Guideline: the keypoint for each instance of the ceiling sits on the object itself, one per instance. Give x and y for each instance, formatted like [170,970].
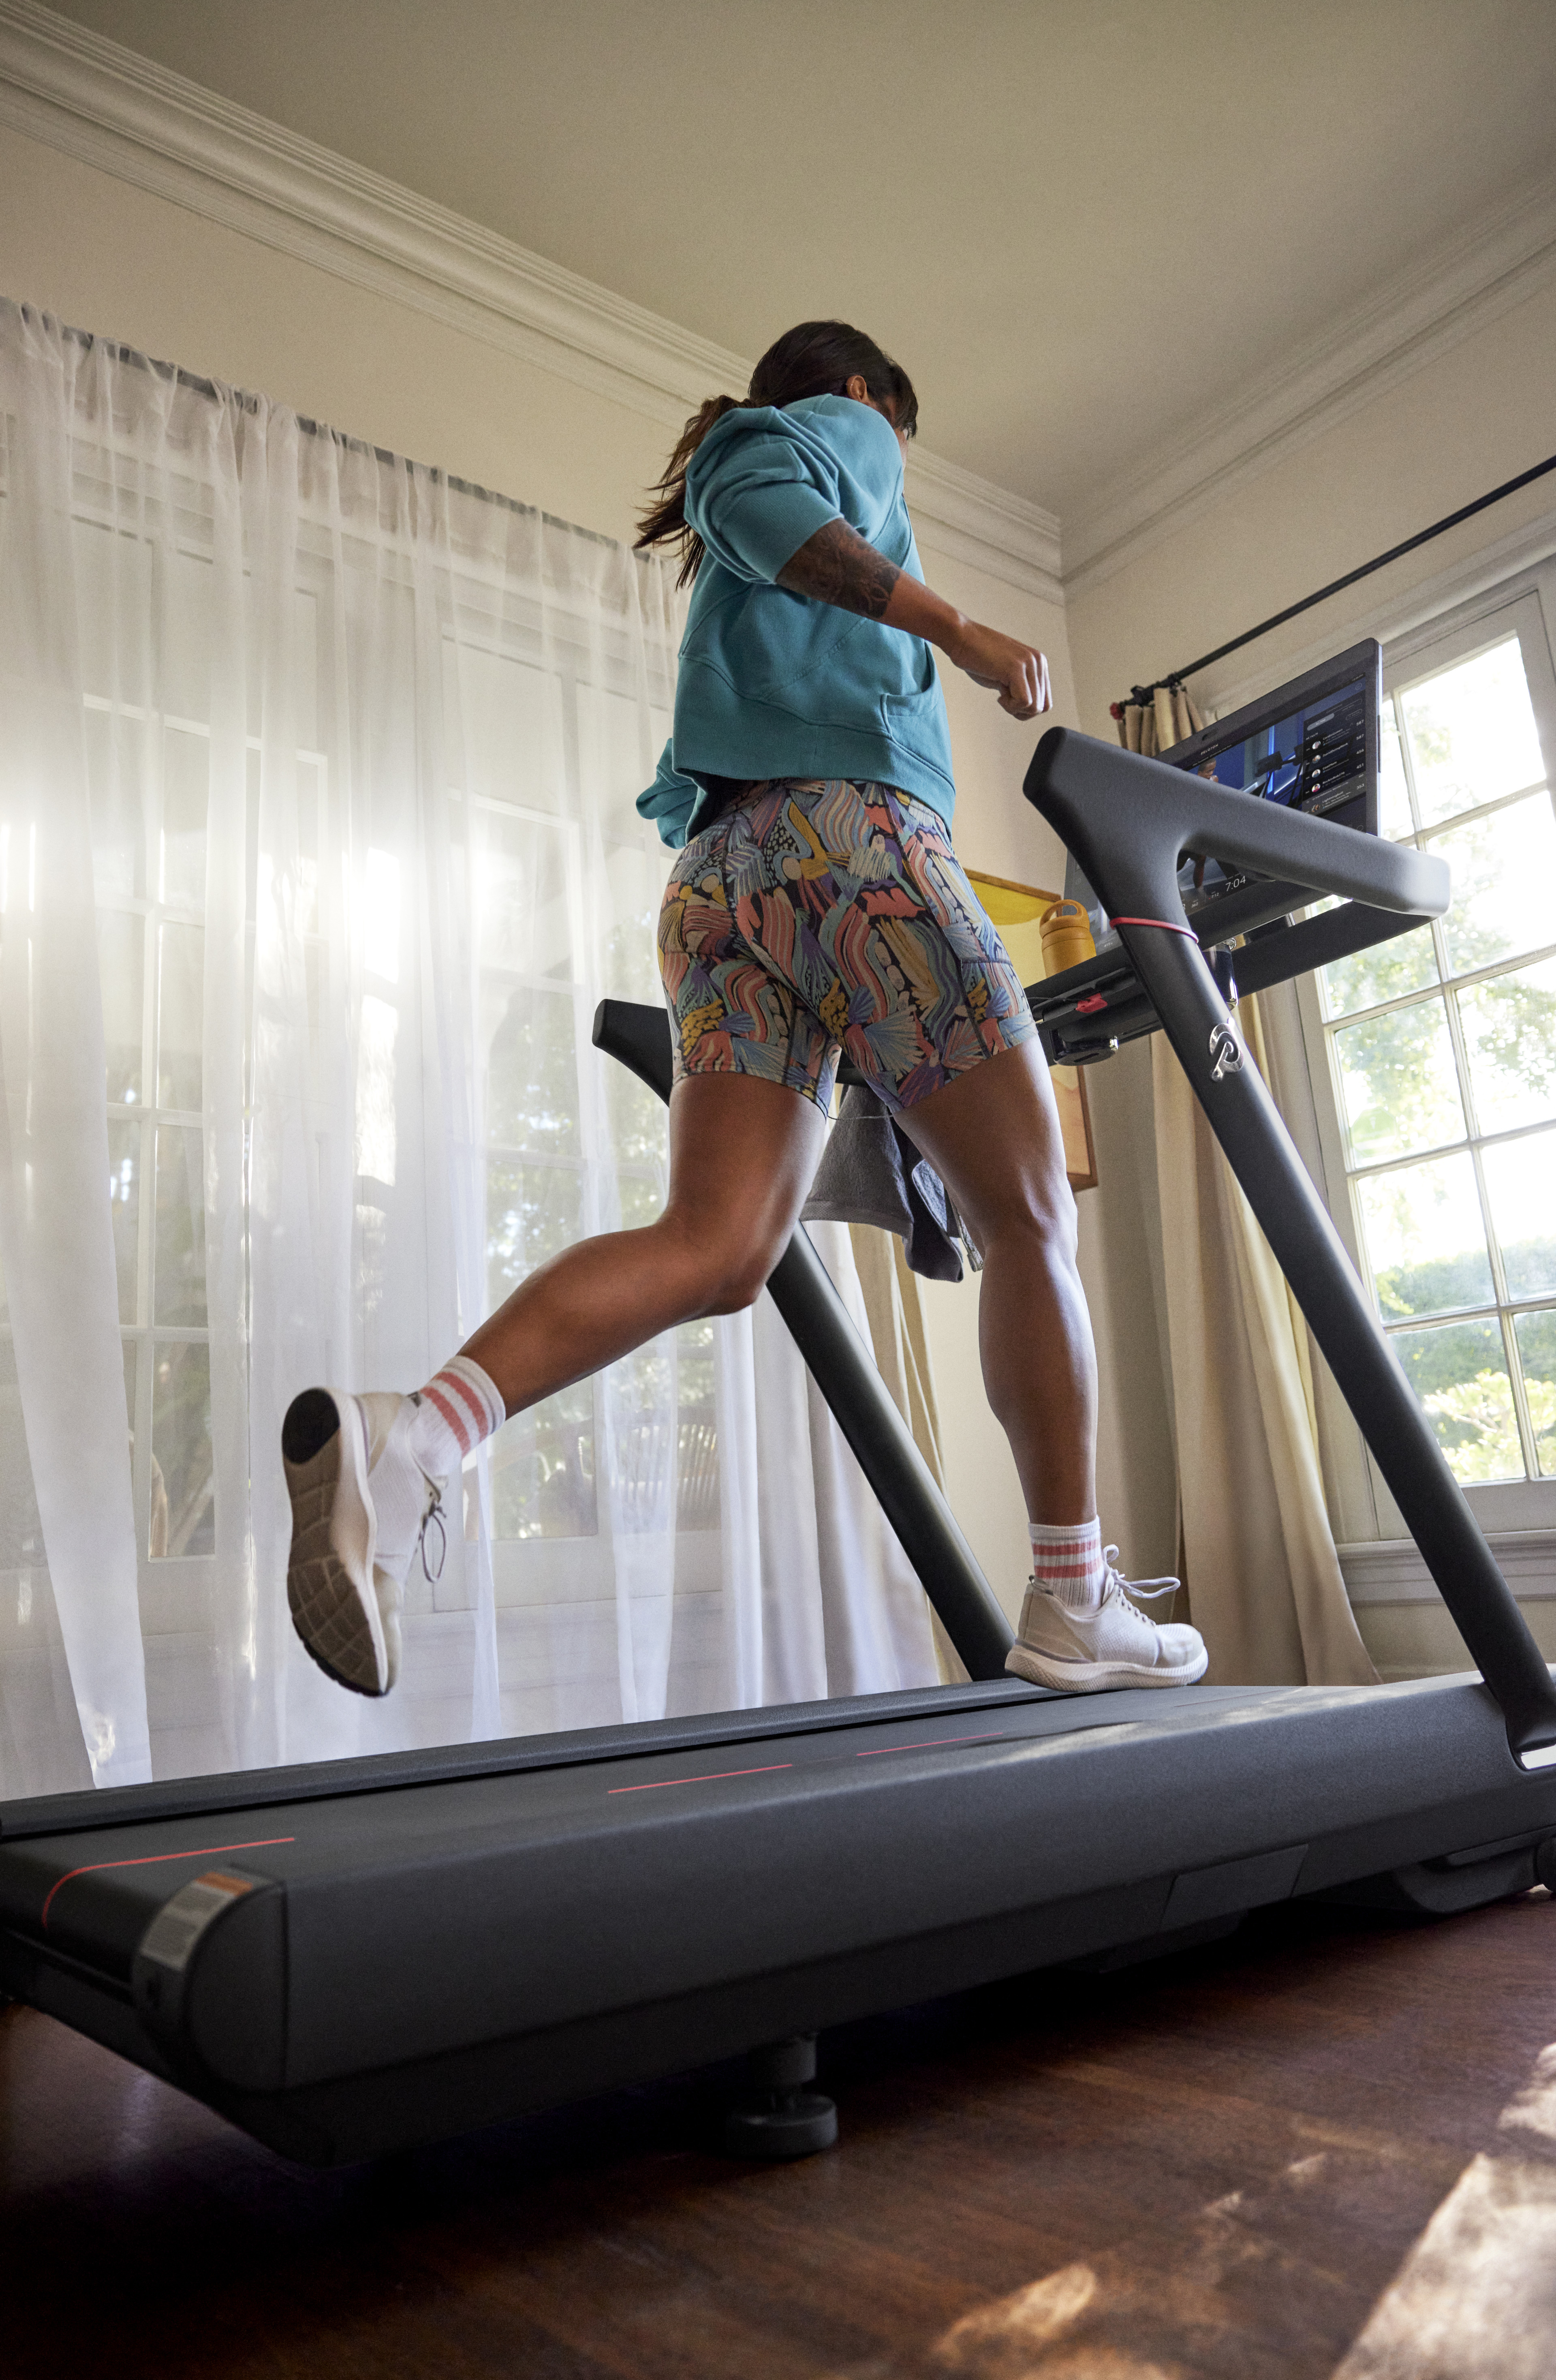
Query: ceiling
[1078,223]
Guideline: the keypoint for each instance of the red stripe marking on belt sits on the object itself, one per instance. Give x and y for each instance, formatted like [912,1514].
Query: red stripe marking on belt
[928,1742]
[153,1859]
[713,1776]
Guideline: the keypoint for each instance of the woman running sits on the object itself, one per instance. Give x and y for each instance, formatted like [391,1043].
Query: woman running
[815,905]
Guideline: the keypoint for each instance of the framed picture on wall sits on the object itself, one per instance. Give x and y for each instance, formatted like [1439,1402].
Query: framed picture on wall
[1016,912]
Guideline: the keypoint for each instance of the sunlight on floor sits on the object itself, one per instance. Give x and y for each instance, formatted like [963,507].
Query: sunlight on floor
[1474,2300]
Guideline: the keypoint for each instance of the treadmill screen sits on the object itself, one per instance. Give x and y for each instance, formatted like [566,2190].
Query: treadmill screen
[1311,744]
[1313,760]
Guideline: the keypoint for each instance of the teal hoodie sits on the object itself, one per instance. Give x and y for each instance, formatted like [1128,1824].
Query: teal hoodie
[773,684]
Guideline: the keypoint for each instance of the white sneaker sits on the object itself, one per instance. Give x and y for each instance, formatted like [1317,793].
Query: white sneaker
[1084,1652]
[361,1506]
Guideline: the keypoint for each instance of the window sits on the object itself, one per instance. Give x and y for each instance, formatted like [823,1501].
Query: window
[149,777]
[1440,1049]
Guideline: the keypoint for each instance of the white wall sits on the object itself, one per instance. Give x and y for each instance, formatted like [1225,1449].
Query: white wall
[108,257]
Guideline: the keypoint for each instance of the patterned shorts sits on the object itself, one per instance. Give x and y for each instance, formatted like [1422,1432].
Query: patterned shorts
[817,916]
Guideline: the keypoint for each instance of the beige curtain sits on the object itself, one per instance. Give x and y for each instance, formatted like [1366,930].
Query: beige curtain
[1170,717]
[1262,1575]
[902,1351]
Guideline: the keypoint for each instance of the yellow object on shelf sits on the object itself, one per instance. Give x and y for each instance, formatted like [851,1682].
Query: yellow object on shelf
[1017,911]
[1066,934]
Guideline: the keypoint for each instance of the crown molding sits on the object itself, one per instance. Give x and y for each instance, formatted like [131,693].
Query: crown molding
[103,104]
[974,521]
[1484,271]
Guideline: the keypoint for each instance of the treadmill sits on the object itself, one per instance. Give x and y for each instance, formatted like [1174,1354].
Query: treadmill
[350,1957]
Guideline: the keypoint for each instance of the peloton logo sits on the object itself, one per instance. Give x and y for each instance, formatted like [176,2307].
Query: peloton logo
[1226,1050]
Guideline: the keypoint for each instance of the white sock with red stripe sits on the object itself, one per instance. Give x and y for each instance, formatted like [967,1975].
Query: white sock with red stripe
[457,1409]
[1069,1565]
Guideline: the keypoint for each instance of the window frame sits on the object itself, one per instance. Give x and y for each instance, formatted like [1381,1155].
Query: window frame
[1524,605]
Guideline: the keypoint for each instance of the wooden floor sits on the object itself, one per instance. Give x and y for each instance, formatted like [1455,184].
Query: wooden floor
[1214,2166]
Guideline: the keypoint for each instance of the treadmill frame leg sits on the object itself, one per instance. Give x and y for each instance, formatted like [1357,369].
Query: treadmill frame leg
[785,2119]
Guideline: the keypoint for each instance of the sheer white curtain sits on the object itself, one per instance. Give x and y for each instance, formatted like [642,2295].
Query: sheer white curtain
[317,850]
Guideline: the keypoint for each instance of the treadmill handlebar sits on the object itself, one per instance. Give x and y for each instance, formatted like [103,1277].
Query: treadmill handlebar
[1128,820]
[1131,822]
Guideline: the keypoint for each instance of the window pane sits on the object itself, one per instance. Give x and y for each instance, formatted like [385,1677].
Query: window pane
[1460,1375]
[1537,1353]
[638,1127]
[523,909]
[1518,1183]
[533,1211]
[376,1142]
[646,1441]
[121,966]
[636,881]
[642,1200]
[179,1014]
[509,715]
[697,1442]
[117,781]
[186,779]
[1504,869]
[1472,733]
[1426,1240]
[183,1520]
[1390,970]
[1510,1033]
[532,1070]
[1399,1085]
[1393,797]
[123,1202]
[180,1256]
[543,1469]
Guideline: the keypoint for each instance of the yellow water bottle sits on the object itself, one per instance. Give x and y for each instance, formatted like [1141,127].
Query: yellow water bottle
[1066,931]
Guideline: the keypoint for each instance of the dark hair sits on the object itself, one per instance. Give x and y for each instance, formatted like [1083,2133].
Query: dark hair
[813,359]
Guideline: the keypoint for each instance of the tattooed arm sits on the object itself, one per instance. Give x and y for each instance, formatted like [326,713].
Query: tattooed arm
[836,565]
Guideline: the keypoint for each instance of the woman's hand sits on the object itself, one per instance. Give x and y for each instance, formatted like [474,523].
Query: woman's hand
[1017,671]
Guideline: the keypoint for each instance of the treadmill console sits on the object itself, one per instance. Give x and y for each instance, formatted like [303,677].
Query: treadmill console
[1311,744]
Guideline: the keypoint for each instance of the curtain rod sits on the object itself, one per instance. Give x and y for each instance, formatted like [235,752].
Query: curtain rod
[1143,694]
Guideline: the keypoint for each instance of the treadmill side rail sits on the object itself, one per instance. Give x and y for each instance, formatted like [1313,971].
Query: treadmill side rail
[1128,821]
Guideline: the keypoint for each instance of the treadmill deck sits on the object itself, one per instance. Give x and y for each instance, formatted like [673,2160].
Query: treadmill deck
[604,1908]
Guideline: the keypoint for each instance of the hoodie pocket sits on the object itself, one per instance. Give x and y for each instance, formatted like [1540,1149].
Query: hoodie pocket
[917,721]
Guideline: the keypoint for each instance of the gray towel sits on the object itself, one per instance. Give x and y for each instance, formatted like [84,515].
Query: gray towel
[870,1172]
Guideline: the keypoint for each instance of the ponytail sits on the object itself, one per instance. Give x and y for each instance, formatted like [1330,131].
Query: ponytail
[814,359]
[664,521]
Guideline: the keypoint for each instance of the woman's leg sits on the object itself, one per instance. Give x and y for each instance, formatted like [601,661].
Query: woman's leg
[366,1472]
[993,1136]
[742,1151]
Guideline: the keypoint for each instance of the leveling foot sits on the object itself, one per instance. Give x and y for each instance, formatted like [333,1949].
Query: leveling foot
[783,2119]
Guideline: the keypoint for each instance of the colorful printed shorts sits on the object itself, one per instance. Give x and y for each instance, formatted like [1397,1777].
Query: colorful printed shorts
[817,916]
